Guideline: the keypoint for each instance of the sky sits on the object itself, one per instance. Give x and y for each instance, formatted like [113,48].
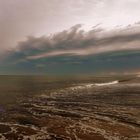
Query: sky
[69,37]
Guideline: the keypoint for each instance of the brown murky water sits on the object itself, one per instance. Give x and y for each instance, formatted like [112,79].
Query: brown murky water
[37,108]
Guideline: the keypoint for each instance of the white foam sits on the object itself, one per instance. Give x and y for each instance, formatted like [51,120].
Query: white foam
[90,85]
[106,84]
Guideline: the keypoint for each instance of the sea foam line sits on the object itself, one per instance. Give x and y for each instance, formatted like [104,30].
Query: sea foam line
[108,83]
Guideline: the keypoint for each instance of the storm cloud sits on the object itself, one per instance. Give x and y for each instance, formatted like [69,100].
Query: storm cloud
[75,48]
[76,41]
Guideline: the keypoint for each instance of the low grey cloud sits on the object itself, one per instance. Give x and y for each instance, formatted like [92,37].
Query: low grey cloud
[76,41]
[76,47]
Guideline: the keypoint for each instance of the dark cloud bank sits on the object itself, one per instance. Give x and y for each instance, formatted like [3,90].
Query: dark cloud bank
[76,51]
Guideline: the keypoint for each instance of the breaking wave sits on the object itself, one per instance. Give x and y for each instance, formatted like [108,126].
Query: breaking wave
[108,83]
[94,85]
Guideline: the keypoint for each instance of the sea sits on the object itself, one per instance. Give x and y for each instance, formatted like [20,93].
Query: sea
[70,108]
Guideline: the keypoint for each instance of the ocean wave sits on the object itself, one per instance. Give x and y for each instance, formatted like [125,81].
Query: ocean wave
[106,84]
[90,85]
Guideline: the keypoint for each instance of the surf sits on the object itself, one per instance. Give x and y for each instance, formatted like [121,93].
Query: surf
[106,84]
